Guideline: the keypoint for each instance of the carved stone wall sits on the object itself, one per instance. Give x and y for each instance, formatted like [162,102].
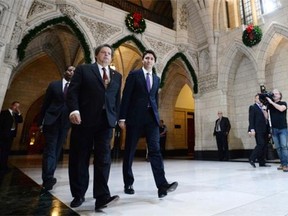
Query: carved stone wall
[207,83]
[101,32]
[159,47]
[38,7]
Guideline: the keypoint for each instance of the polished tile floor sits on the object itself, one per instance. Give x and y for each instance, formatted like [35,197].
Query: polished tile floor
[205,188]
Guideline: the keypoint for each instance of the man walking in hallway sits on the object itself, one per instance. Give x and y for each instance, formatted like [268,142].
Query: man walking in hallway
[54,121]
[138,114]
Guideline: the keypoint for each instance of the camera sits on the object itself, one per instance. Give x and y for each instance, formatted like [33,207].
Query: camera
[264,94]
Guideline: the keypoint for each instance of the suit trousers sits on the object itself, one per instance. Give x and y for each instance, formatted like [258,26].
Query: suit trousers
[133,133]
[222,145]
[55,137]
[83,141]
[5,147]
[260,149]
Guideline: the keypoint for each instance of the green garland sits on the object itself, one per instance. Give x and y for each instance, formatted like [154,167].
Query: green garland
[38,29]
[129,38]
[189,66]
[252,35]
[135,23]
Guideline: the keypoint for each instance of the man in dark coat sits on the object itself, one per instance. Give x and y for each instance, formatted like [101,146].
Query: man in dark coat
[221,131]
[9,120]
[54,121]
[258,128]
[93,100]
[139,114]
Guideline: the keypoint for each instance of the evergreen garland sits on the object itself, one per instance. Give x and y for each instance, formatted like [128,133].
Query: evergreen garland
[38,29]
[189,66]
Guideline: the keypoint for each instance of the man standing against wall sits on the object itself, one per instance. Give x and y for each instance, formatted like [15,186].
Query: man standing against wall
[221,131]
[9,120]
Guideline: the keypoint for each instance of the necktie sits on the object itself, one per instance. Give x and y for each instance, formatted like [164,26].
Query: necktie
[65,89]
[148,82]
[218,125]
[105,77]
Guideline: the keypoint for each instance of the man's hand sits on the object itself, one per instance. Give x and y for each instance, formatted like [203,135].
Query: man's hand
[269,100]
[75,118]
[122,124]
[251,133]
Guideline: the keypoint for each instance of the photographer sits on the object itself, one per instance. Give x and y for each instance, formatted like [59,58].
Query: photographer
[278,110]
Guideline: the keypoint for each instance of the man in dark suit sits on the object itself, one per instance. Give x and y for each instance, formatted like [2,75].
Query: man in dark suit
[9,120]
[258,128]
[93,100]
[221,131]
[139,114]
[54,121]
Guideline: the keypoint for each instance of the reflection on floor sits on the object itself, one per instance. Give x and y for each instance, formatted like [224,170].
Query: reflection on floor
[205,188]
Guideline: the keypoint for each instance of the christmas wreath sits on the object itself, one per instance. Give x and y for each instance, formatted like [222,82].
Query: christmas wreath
[252,35]
[135,22]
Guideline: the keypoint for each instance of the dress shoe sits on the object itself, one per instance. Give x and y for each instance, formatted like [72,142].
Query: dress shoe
[129,189]
[77,201]
[48,185]
[100,204]
[162,191]
[264,165]
[252,164]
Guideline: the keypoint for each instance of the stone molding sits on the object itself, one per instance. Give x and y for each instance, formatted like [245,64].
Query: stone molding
[101,32]
[37,8]
[159,47]
[207,83]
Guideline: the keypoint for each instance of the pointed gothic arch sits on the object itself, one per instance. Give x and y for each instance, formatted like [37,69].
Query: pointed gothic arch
[188,65]
[130,38]
[56,21]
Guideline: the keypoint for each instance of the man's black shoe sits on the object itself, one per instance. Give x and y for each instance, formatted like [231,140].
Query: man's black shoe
[129,189]
[77,201]
[264,165]
[252,164]
[100,204]
[48,185]
[162,191]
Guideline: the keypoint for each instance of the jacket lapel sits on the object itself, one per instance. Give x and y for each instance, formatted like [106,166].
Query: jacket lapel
[97,73]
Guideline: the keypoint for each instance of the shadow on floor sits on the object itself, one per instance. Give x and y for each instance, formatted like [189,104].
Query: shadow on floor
[20,195]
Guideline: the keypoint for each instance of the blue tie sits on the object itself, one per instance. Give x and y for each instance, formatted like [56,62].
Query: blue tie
[148,82]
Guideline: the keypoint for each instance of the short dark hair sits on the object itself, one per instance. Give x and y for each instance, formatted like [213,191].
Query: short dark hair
[97,50]
[149,52]
[14,102]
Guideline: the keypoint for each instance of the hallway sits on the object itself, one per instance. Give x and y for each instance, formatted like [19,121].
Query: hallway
[205,188]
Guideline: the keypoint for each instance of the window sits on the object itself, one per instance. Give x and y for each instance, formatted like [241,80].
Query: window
[251,10]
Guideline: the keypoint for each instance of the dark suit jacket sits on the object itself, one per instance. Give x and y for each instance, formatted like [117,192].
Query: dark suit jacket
[257,120]
[54,106]
[224,125]
[87,94]
[6,123]
[136,98]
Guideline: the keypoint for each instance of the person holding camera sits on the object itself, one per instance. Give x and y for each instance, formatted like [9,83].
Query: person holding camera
[278,111]
[258,128]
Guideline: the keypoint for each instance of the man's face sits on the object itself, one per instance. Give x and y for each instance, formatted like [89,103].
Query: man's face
[104,57]
[220,114]
[148,61]
[15,107]
[276,95]
[69,73]
[257,100]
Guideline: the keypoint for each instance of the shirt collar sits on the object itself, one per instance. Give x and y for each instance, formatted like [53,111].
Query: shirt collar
[145,71]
